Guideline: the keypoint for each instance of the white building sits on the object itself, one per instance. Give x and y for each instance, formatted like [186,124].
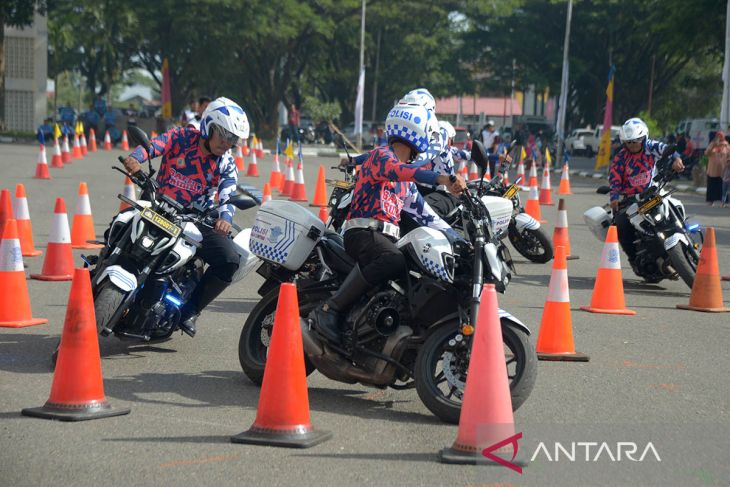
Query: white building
[26,71]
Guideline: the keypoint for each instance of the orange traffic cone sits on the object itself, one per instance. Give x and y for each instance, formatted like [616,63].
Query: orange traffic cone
[92,140]
[76,152]
[6,208]
[82,143]
[564,188]
[41,168]
[608,292]
[15,309]
[129,191]
[324,214]
[57,159]
[532,206]
[299,192]
[560,234]
[259,148]
[486,410]
[461,170]
[240,165]
[289,179]
[473,171]
[82,228]
[488,174]
[25,228]
[107,141]
[267,193]
[555,341]
[320,191]
[282,417]
[125,141]
[521,175]
[276,176]
[546,190]
[706,291]
[245,148]
[65,152]
[58,264]
[253,168]
[77,392]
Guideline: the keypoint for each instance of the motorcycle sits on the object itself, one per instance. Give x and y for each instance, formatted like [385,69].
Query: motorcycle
[414,331]
[148,267]
[668,244]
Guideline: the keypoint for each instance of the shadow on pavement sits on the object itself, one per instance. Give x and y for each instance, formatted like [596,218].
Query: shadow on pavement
[27,353]
[404,457]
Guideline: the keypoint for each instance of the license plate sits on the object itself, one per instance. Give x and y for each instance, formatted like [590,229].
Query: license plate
[650,203]
[161,222]
[343,185]
[511,191]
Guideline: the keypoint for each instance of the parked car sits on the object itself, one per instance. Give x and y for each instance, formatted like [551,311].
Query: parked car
[698,130]
[575,142]
[462,139]
[593,140]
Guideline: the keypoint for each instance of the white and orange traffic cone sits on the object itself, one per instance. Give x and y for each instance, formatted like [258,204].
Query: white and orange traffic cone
[57,159]
[564,188]
[555,340]
[92,140]
[608,291]
[58,264]
[65,151]
[546,190]
[246,150]
[299,192]
[276,176]
[125,141]
[82,143]
[323,214]
[473,171]
[240,165]
[15,309]
[259,148]
[25,227]
[82,228]
[76,153]
[129,191]
[532,206]
[107,141]
[41,168]
[289,180]
[521,175]
[267,193]
[560,233]
[253,167]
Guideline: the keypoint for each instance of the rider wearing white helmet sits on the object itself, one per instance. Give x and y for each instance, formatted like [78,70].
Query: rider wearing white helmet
[195,166]
[631,172]
[384,188]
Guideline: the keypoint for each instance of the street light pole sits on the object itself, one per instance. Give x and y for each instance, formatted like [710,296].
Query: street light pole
[725,109]
[361,81]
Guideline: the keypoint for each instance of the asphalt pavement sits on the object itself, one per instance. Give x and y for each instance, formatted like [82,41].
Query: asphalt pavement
[662,367]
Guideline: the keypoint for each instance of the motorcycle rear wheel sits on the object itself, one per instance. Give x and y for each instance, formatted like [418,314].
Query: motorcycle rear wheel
[532,244]
[443,398]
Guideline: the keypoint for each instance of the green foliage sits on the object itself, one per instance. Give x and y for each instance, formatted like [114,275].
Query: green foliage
[654,131]
[320,110]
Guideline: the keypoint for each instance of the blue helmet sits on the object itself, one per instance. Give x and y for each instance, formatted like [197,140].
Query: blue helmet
[409,124]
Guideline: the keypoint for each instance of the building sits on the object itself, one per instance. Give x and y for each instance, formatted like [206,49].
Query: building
[26,73]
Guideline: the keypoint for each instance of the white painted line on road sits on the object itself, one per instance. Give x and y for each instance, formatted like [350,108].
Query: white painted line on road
[584,174]
[701,190]
[597,175]
[683,187]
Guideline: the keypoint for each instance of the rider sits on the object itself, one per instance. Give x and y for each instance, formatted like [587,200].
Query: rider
[385,187]
[632,171]
[195,165]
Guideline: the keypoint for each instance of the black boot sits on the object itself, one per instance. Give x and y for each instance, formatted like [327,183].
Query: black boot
[328,317]
[209,287]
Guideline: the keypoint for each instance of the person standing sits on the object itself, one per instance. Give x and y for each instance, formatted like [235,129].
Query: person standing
[294,122]
[717,154]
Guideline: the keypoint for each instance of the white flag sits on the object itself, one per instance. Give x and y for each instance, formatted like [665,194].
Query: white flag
[359,102]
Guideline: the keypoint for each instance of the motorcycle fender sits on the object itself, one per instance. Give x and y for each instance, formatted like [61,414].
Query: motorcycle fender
[120,277]
[524,221]
[504,314]
[674,239]
[495,265]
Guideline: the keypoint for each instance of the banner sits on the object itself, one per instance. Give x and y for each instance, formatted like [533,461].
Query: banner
[359,101]
[166,97]
[604,149]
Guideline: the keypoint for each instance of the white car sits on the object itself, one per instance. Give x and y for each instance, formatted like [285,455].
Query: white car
[575,142]
[593,140]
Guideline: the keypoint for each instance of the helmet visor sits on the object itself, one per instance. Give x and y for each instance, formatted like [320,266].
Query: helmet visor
[229,138]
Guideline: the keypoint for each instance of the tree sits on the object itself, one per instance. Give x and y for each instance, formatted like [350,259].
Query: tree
[14,13]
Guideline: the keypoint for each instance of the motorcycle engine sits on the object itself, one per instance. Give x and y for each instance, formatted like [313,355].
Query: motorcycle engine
[377,319]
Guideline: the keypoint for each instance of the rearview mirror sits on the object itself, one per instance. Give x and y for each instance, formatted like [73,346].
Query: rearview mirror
[139,137]
[603,190]
[241,202]
[479,155]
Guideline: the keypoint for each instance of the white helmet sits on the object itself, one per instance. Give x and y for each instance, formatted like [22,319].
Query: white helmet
[450,131]
[632,129]
[408,124]
[490,123]
[227,115]
[420,96]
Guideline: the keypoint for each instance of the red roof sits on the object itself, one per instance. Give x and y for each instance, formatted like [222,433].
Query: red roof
[470,106]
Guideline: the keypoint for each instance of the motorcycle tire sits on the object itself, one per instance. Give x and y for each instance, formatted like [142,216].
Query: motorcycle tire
[253,343]
[532,244]
[521,368]
[682,256]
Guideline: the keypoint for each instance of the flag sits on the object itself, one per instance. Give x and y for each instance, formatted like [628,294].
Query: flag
[56,131]
[166,98]
[289,151]
[548,157]
[604,149]
[359,101]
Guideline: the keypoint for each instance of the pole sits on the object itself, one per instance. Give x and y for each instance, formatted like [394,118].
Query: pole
[651,84]
[375,77]
[725,108]
[564,87]
[362,67]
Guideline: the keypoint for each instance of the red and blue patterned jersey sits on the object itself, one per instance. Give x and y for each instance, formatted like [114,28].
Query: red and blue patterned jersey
[188,175]
[632,173]
[386,186]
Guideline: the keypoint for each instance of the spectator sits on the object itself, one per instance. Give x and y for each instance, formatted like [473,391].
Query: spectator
[294,122]
[489,134]
[380,140]
[46,129]
[718,153]
[726,184]
[202,105]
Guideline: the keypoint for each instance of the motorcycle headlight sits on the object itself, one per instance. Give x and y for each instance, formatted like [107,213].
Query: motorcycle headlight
[147,242]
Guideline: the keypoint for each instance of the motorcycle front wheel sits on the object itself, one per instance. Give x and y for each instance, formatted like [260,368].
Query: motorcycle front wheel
[684,260]
[441,368]
[532,244]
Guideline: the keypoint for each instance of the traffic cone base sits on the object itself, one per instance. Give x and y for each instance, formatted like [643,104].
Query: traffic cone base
[706,291]
[77,392]
[282,416]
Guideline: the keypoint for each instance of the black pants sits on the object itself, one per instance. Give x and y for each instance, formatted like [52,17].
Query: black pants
[219,253]
[626,233]
[379,258]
